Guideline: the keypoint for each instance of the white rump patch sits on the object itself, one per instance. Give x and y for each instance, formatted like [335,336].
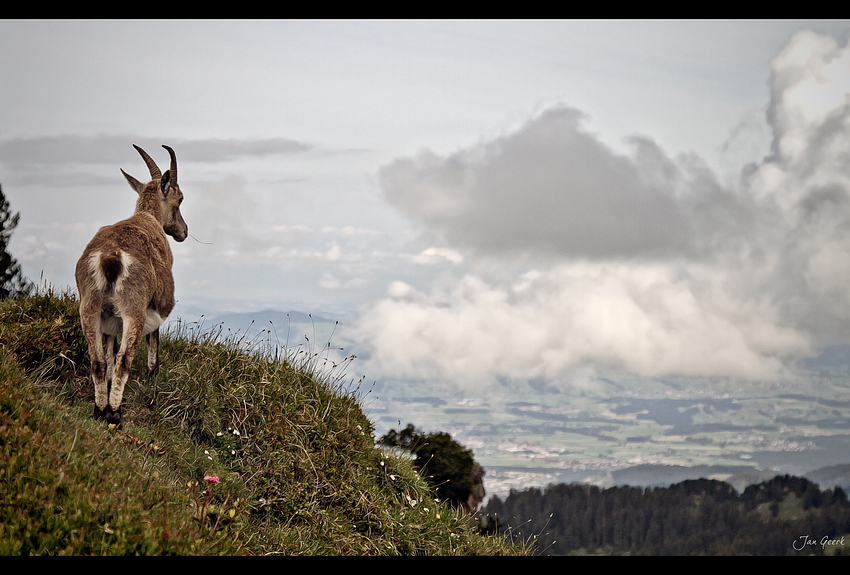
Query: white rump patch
[96,270]
[126,262]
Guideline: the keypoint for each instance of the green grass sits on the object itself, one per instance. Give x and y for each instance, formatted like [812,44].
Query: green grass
[298,469]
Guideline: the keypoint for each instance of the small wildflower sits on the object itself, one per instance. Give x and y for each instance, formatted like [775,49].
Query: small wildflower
[219,434]
[211,478]
[235,432]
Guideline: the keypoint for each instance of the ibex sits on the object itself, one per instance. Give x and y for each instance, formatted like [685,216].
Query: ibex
[126,287]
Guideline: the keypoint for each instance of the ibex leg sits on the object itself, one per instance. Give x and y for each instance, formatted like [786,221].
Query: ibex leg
[153,351]
[130,341]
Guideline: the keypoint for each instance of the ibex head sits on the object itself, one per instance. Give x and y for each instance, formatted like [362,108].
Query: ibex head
[161,196]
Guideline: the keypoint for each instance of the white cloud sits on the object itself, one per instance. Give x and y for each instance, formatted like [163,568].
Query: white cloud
[644,261]
[328,281]
[642,318]
[434,254]
[334,253]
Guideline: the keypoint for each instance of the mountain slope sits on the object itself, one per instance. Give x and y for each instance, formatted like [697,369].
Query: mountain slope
[289,458]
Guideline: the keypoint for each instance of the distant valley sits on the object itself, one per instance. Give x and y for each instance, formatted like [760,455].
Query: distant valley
[618,430]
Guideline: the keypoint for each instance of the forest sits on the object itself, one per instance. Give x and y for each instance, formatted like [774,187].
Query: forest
[786,515]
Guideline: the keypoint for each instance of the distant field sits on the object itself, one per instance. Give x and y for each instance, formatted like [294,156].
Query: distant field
[523,438]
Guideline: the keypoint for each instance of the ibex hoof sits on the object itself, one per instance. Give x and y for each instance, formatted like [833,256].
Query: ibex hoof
[100,413]
[113,417]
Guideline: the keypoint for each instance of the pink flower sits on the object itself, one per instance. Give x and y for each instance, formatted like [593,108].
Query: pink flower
[211,478]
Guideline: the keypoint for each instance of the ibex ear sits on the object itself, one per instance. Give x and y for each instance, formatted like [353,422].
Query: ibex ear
[134,183]
[165,184]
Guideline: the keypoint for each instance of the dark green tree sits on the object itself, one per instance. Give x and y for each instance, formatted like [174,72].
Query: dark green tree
[445,464]
[12,281]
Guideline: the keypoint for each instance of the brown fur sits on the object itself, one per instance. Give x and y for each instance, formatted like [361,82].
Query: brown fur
[126,287]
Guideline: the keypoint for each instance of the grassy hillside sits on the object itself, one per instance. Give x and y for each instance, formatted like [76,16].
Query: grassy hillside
[289,458]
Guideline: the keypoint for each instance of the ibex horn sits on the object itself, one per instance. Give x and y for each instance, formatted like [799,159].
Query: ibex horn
[155,173]
[173,164]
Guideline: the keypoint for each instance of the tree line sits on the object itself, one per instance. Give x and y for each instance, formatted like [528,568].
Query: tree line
[783,516]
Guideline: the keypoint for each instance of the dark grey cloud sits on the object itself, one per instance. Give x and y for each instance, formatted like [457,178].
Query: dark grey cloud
[219,150]
[56,179]
[553,187]
[117,149]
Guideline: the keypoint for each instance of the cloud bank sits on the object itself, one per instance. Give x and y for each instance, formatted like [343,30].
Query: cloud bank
[116,149]
[641,261]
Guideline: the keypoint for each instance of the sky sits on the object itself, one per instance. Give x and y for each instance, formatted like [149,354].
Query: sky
[477,200]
